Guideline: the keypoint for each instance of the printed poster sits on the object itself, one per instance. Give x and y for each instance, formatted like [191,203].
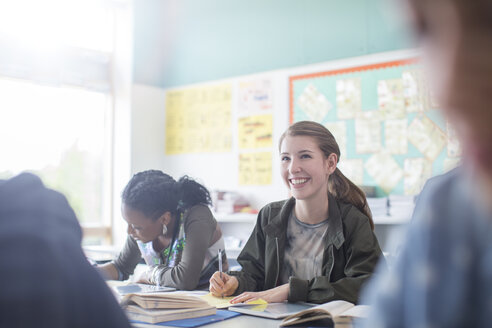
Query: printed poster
[314,104]
[255,168]
[395,135]
[198,120]
[254,96]
[416,172]
[348,98]
[368,132]
[339,131]
[255,131]
[427,137]
[415,91]
[383,168]
[353,169]
[390,99]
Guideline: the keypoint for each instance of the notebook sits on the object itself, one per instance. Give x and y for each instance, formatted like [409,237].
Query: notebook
[271,310]
[141,288]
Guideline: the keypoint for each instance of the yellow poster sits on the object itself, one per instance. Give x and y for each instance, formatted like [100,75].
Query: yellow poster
[255,168]
[199,120]
[255,132]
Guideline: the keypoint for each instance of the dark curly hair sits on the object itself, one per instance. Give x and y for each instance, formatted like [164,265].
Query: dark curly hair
[153,193]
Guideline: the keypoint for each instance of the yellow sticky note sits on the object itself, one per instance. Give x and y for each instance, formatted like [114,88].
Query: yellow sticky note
[218,302]
[225,302]
[258,301]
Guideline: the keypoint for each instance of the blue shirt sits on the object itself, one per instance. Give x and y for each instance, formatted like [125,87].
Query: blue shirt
[443,276]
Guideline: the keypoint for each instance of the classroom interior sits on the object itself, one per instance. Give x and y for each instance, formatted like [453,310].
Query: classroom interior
[87,88]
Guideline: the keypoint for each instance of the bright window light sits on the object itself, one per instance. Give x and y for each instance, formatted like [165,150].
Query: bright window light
[61,134]
[56,100]
[48,24]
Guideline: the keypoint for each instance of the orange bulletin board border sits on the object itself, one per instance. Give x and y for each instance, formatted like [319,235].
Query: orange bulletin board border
[346,70]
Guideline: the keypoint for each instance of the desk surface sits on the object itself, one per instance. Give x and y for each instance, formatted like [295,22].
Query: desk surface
[242,321]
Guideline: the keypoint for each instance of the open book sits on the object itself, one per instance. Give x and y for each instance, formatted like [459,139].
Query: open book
[159,307]
[340,313]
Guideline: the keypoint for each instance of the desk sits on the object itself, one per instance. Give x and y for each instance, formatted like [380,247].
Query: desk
[242,321]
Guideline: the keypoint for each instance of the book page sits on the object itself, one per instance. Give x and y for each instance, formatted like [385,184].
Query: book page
[323,311]
[358,311]
[163,300]
[334,308]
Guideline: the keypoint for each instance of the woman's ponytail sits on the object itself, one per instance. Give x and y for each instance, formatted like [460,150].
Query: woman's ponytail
[345,190]
[190,193]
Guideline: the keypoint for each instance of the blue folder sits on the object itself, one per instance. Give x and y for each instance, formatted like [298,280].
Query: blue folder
[221,315]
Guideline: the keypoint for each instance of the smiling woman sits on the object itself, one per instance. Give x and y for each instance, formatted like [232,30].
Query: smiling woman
[318,245]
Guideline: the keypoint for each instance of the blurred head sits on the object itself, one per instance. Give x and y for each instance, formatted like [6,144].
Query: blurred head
[456,36]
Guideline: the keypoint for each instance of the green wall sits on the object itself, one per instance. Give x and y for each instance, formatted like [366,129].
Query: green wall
[180,42]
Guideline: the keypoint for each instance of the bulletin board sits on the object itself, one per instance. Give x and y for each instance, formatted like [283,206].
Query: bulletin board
[385,120]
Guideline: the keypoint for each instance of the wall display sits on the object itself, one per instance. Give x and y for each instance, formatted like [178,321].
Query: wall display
[255,168]
[255,131]
[390,132]
[198,120]
[255,95]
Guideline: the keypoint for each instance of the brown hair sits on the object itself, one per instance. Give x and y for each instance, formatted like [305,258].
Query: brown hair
[338,185]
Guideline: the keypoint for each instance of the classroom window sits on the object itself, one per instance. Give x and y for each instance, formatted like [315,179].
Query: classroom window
[61,134]
[57,62]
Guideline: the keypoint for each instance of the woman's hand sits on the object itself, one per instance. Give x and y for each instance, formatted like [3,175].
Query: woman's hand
[144,277]
[221,284]
[274,295]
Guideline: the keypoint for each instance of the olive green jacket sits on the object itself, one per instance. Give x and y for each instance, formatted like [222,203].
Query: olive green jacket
[350,255]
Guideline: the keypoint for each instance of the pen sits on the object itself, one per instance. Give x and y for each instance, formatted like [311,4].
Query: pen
[220,264]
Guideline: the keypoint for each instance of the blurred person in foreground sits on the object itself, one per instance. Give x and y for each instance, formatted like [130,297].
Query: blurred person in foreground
[443,277]
[45,278]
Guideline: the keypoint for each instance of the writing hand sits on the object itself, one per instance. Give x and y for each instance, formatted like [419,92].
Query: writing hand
[222,284]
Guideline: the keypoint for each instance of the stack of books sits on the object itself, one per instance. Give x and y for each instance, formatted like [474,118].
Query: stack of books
[159,307]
